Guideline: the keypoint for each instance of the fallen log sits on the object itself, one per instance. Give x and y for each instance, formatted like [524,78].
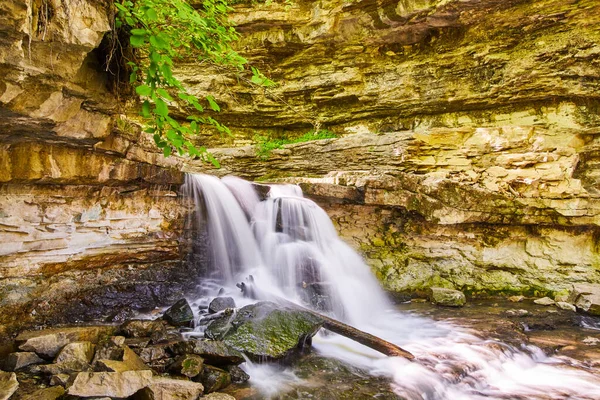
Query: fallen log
[364,338]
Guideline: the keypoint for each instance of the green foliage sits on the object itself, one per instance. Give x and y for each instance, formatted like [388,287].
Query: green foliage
[163,31]
[265,145]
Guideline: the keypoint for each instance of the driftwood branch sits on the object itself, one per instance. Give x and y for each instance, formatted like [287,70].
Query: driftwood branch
[364,338]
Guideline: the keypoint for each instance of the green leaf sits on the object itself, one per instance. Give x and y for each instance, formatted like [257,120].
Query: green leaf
[164,94]
[143,90]
[139,32]
[146,109]
[161,108]
[132,77]
[213,104]
[137,41]
[167,151]
[151,14]
[257,80]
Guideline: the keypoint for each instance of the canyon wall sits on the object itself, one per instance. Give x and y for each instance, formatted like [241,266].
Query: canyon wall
[89,216]
[469,149]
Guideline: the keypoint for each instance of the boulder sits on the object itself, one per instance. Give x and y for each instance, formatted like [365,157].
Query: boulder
[219,327]
[266,330]
[130,362]
[238,375]
[220,304]
[163,388]
[156,330]
[214,352]
[214,379]
[179,314]
[60,380]
[109,384]
[62,368]
[565,306]
[48,342]
[108,350]
[544,301]
[447,297]
[8,384]
[189,365]
[51,393]
[19,360]
[586,297]
[76,352]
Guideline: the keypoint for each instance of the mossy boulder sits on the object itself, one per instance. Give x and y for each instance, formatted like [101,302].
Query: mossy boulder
[179,314]
[447,297]
[266,330]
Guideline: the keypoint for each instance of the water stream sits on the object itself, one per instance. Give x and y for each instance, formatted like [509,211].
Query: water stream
[288,244]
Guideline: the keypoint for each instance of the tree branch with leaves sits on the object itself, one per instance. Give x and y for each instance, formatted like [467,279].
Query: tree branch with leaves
[163,31]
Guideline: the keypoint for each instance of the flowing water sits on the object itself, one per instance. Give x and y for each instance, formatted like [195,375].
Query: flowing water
[288,244]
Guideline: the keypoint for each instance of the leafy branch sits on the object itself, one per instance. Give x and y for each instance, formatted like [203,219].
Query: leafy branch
[163,31]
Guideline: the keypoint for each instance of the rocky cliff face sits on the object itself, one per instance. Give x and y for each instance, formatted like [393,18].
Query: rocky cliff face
[471,136]
[89,219]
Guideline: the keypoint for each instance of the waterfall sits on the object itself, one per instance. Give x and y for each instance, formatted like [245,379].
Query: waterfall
[291,248]
[287,243]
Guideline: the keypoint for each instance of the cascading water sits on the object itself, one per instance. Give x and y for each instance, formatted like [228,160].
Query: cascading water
[290,247]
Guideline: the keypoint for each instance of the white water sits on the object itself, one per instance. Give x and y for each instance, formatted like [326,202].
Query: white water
[286,242]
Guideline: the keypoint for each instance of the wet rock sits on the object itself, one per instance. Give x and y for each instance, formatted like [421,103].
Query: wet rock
[130,362]
[516,299]
[214,379]
[122,315]
[212,351]
[19,360]
[179,314]
[238,375]
[565,306]
[586,298]
[267,331]
[219,327]
[220,304]
[156,330]
[544,301]
[189,365]
[48,342]
[591,341]
[110,384]
[51,393]
[8,384]
[76,353]
[316,295]
[447,297]
[517,313]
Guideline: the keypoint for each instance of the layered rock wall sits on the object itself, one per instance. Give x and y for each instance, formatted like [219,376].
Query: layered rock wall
[469,155]
[89,216]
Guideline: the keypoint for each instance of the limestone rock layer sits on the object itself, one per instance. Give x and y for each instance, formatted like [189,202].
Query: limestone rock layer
[470,133]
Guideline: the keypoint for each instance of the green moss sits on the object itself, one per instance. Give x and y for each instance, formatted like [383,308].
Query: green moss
[265,330]
[265,144]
